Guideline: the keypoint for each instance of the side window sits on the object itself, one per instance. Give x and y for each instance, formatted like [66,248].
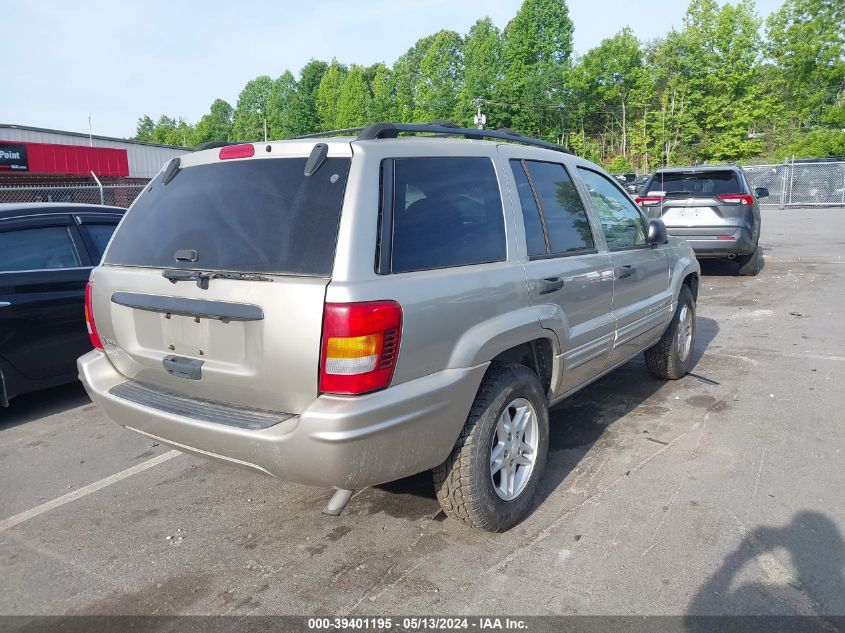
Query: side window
[100,235]
[621,221]
[445,212]
[37,249]
[534,234]
[565,219]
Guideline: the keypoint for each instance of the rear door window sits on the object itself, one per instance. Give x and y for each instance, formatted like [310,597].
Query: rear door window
[259,215]
[564,217]
[38,248]
[707,184]
[99,234]
[534,235]
[443,212]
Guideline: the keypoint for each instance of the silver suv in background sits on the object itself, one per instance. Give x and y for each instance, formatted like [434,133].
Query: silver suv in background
[713,208]
[347,311]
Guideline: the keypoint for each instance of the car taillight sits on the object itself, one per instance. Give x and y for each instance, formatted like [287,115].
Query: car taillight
[648,200]
[736,198]
[89,318]
[244,150]
[360,346]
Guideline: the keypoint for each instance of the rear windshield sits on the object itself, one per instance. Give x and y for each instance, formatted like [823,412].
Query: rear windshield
[711,183]
[243,216]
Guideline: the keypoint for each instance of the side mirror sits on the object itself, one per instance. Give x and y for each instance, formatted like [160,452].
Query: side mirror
[761,192]
[657,234]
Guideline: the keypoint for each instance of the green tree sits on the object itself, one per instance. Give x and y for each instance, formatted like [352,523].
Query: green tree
[482,59]
[603,83]
[709,97]
[536,52]
[406,74]
[440,78]
[303,118]
[328,95]
[145,129]
[279,112]
[619,165]
[713,90]
[806,40]
[671,123]
[216,125]
[812,144]
[727,45]
[252,109]
[383,89]
[354,99]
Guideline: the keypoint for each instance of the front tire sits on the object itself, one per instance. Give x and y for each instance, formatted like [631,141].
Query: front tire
[671,357]
[492,474]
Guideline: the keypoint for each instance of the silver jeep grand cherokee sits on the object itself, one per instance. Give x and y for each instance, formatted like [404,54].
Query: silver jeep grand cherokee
[347,311]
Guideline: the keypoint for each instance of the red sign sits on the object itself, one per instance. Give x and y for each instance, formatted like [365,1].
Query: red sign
[47,158]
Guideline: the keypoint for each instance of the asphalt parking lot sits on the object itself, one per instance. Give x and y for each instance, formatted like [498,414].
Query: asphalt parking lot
[721,493]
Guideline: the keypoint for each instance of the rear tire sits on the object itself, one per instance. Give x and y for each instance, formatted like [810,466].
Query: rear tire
[749,265]
[492,474]
[671,357]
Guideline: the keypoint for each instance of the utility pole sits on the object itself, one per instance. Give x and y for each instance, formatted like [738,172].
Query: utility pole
[262,112]
[480,119]
[90,132]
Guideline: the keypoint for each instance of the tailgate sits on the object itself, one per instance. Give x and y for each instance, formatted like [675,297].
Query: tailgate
[691,212]
[254,344]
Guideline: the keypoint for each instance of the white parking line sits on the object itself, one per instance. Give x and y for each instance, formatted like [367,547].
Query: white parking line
[5,524]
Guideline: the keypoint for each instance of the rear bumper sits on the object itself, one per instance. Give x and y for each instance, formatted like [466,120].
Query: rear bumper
[716,242]
[344,442]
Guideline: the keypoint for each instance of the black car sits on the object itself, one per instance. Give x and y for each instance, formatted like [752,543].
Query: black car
[47,251]
[637,184]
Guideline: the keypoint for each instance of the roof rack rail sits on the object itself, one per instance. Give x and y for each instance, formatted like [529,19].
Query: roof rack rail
[440,128]
[343,132]
[446,128]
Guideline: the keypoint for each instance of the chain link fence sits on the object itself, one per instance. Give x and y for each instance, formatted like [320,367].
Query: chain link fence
[113,195]
[800,184]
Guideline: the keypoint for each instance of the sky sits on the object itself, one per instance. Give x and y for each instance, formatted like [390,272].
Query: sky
[120,60]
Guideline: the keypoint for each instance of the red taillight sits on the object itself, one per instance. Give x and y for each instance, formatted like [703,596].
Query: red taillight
[736,198]
[360,346]
[89,318]
[237,151]
[648,200]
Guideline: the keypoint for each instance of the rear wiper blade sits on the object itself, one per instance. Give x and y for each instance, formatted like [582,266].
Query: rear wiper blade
[202,278]
[241,276]
[174,275]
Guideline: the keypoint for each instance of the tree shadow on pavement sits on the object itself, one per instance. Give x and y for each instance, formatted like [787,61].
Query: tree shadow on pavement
[577,423]
[814,583]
